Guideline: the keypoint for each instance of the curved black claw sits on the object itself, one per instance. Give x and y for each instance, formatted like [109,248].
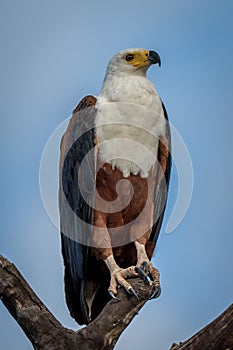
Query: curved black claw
[156,293]
[144,266]
[142,274]
[113,296]
[132,291]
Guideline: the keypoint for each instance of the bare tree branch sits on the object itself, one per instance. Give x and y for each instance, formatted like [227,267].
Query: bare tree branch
[40,326]
[45,331]
[218,335]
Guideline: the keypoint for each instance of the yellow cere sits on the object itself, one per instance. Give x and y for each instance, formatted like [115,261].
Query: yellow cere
[137,59]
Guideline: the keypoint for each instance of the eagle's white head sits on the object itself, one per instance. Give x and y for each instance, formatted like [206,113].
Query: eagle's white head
[125,79]
[132,61]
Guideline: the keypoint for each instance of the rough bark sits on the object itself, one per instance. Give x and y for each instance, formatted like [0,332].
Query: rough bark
[217,335]
[46,332]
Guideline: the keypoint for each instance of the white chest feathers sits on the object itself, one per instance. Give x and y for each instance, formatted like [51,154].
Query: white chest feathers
[128,129]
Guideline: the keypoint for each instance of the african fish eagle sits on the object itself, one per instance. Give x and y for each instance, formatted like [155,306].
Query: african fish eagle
[114,174]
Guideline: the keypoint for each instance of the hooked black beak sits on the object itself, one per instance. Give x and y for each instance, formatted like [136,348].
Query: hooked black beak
[154,58]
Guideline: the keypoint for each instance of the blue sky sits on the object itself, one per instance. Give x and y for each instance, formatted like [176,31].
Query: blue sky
[55,52]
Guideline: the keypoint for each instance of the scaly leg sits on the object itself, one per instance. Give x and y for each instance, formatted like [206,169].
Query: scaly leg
[118,275]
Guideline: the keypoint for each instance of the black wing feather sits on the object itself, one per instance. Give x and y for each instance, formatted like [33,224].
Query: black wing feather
[161,190]
[77,141]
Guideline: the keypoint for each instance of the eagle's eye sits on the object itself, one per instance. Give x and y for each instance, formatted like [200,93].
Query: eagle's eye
[129,57]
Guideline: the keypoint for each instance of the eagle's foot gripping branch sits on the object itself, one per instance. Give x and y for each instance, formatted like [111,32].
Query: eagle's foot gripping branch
[151,276]
[118,277]
[147,272]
